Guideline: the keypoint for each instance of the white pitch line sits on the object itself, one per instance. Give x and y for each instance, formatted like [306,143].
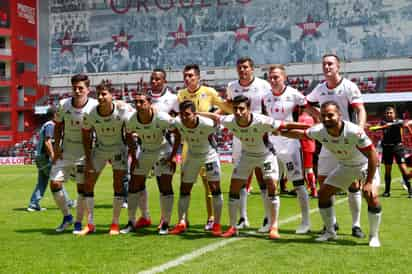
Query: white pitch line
[211,247]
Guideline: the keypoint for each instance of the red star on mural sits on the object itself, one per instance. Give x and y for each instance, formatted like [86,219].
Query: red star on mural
[180,36]
[66,42]
[242,32]
[309,27]
[121,40]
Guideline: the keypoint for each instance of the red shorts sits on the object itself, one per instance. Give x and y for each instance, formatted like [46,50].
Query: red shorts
[307,159]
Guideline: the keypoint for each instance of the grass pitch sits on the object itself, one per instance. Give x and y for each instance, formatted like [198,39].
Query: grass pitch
[30,245]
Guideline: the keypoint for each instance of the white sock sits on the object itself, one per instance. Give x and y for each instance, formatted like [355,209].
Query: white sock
[161,206]
[117,207]
[184,201]
[234,204]
[217,207]
[167,203]
[143,204]
[132,201]
[61,202]
[355,205]
[303,198]
[81,206]
[273,204]
[90,209]
[333,199]
[243,203]
[328,215]
[263,194]
[374,223]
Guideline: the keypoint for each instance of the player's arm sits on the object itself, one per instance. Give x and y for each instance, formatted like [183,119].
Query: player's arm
[294,134]
[313,111]
[175,147]
[223,105]
[360,113]
[57,135]
[132,144]
[214,116]
[370,153]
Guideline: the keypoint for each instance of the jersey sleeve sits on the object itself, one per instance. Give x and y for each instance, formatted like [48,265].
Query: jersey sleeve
[49,130]
[313,97]
[269,124]
[313,133]
[354,95]
[300,99]
[362,140]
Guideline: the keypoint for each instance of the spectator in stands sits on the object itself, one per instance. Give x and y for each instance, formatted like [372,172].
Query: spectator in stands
[44,154]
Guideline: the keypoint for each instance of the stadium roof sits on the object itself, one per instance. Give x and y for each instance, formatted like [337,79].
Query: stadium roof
[387,97]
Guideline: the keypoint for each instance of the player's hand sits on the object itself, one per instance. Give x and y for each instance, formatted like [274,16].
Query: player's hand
[171,162]
[368,190]
[57,154]
[89,166]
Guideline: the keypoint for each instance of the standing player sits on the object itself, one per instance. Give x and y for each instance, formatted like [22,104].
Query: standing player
[280,105]
[204,98]
[105,123]
[254,88]
[68,149]
[346,94]
[155,152]
[392,146]
[198,132]
[357,160]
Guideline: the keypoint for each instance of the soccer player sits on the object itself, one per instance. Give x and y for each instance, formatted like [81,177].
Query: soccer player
[347,95]
[280,105]
[250,128]
[105,123]
[198,133]
[68,149]
[392,147]
[357,160]
[254,88]
[204,99]
[156,152]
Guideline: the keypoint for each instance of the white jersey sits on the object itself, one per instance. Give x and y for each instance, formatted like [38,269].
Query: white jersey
[152,134]
[345,94]
[108,129]
[345,147]
[281,107]
[166,102]
[197,138]
[255,92]
[73,122]
[251,136]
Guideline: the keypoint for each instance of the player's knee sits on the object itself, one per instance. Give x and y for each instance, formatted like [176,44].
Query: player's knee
[217,192]
[297,183]
[324,203]
[88,194]
[167,192]
[263,186]
[118,194]
[234,196]
[375,209]
[353,189]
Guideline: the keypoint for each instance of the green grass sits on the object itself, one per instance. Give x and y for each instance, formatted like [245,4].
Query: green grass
[30,245]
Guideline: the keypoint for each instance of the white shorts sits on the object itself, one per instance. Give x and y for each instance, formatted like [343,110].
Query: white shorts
[326,163]
[343,176]
[193,164]
[63,170]
[289,157]
[153,159]
[236,150]
[267,163]
[118,159]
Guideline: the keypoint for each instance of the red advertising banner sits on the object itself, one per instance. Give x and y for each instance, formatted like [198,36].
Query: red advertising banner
[12,161]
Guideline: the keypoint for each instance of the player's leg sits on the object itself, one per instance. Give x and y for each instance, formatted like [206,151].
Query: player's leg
[208,200]
[234,203]
[327,211]
[43,172]
[118,199]
[88,190]
[213,171]
[387,159]
[399,152]
[355,205]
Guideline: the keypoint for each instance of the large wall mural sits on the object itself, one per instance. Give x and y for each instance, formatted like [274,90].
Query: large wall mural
[127,35]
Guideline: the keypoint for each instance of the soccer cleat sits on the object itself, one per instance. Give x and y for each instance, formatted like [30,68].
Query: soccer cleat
[404,185]
[89,229]
[242,223]
[32,208]
[125,205]
[274,233]
[114,229]
[357,232]
[164,229]
[327,236]
[232,231]
[128,228]
[67,221]
[386,194]
[77,228]
[72,203]
[179,228]
[265,226]
[335,227]
[216,230]
[303,229]
[374,242]
[143,222]
[160,224]
[209,225]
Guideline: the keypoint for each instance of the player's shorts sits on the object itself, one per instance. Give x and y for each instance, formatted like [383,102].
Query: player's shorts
[64,169]
[326,163]
[343,176]
[155,159]
[118,159]
[390,151]
[307,159]
[289,157]
[267,163]
[194,162]
[202,171]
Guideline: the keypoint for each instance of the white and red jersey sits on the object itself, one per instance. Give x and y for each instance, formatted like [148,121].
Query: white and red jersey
[345,94]
[281,107]
[307,145]
[251,136]
[73,122]
[153,133]
[166,101]
[346,147]
[108,129]
[255,92]
[197,138]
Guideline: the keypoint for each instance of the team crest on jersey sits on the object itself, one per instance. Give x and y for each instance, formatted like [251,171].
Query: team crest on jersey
[203,95]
